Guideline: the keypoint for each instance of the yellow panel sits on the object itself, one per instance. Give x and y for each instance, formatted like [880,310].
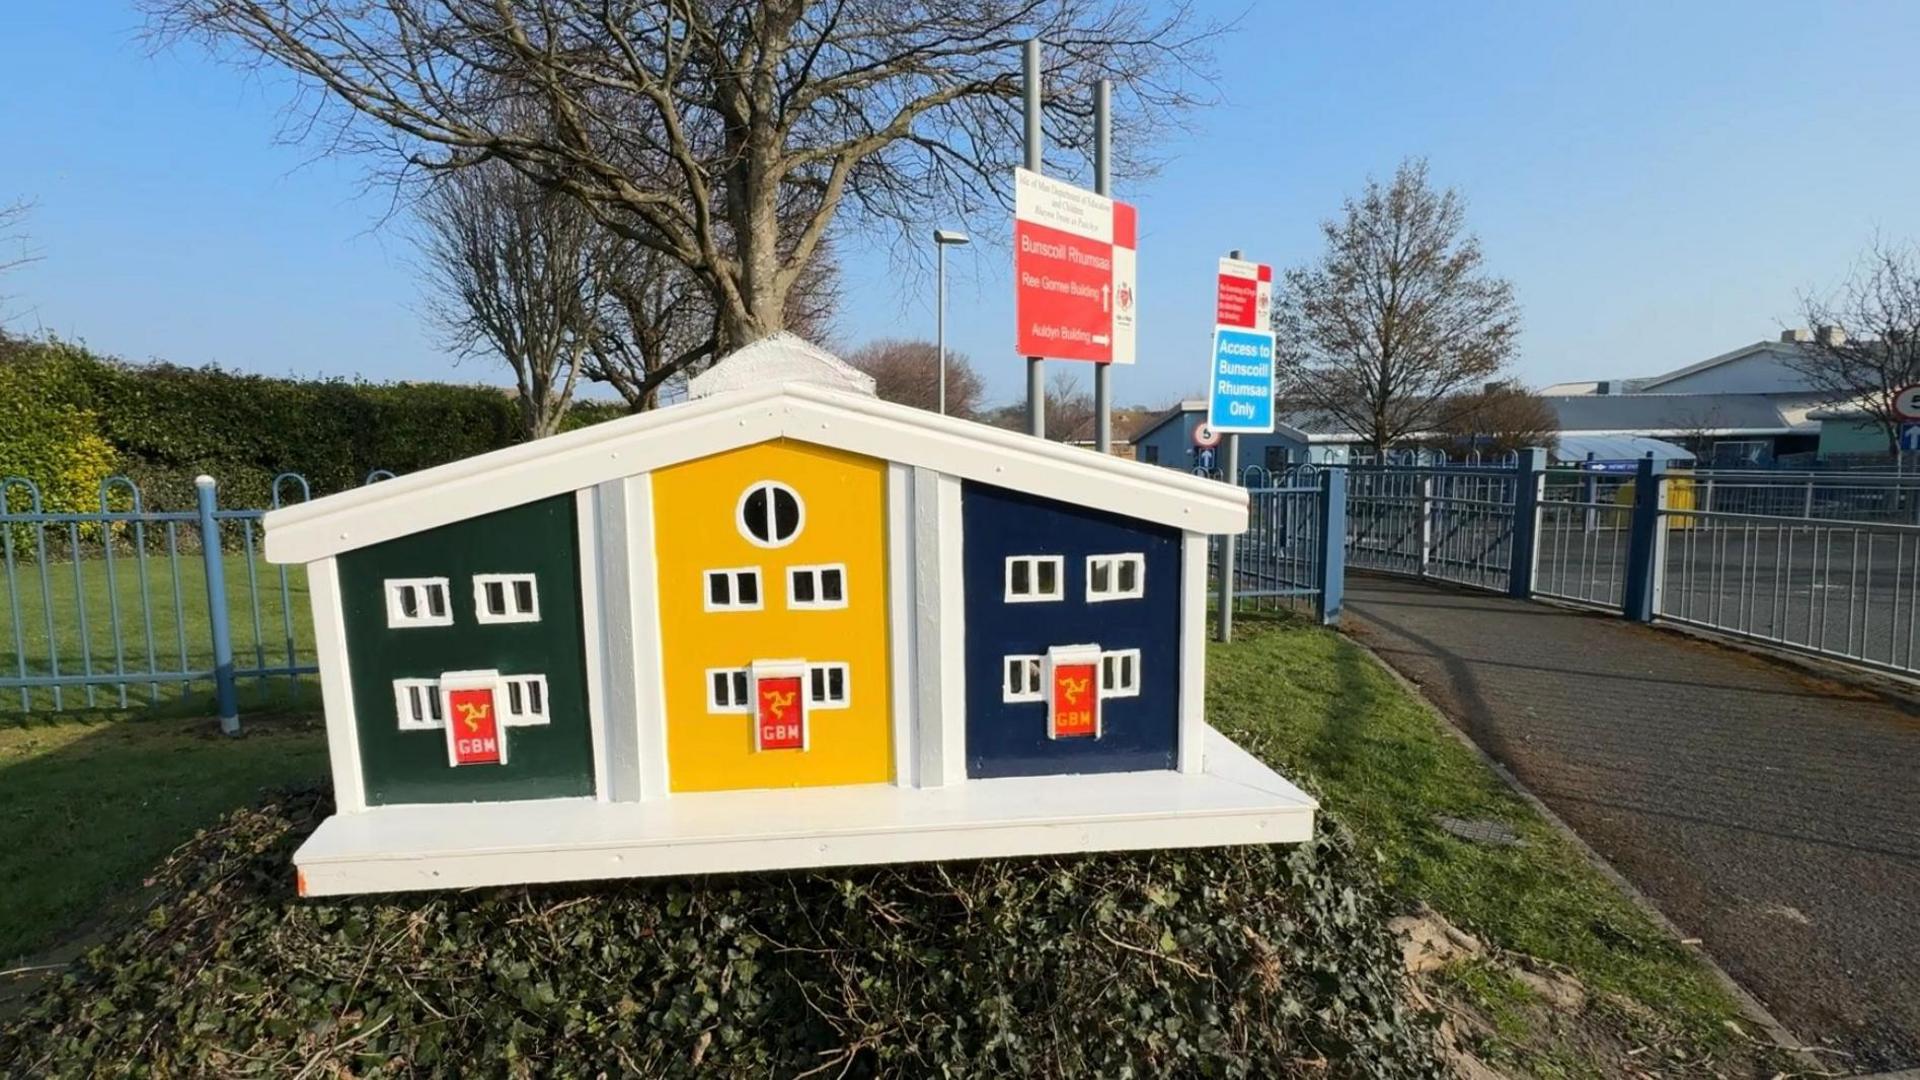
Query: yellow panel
[695,510]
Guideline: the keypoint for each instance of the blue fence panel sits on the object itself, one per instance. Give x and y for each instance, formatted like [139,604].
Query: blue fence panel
[1458,522]
[1283,558]
[102,608]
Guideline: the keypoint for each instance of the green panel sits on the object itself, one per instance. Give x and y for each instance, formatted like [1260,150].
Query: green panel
[411,766]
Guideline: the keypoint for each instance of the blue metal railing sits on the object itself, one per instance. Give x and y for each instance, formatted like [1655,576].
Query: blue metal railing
[102,609]
[1288,557]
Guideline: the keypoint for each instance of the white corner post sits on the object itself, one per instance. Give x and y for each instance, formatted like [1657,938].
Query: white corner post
[632,687]
[1193,652]
[939,630]
[1036,367]
[336,685]
[1103,185]
[902,614]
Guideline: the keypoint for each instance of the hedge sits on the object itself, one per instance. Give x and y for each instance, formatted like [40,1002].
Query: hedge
[166,424]
[1239,962]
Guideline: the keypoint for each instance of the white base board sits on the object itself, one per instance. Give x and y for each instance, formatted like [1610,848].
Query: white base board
[1235,800]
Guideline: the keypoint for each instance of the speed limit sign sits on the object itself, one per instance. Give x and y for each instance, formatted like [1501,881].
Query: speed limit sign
[1906,403]
[1204,436]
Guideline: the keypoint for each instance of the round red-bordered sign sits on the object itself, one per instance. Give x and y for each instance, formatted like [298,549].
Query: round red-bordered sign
[1204,436]
[1906,403]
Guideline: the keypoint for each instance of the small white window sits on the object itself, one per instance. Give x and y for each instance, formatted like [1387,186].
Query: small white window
[770,514]
[418,602]
[727,690]
[526,699]
[826,686]
[1035,578]
[1020,679]
[505,598]
[817,587]
[1116,577]
[733,590]
[1120,673]
[417,701]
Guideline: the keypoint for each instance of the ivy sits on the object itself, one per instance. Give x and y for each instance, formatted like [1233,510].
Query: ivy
[1235,962]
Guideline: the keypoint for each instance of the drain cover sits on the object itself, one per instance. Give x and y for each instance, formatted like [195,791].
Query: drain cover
[1483,831]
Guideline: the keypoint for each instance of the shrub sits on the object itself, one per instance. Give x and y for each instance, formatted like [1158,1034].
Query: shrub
[168,424]
[1255,962]
[54,444]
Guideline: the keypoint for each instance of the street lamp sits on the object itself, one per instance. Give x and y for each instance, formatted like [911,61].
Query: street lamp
[942,240]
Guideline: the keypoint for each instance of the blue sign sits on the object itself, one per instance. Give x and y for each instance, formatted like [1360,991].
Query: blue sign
[1206,457]
[1910,436]
[1240,391]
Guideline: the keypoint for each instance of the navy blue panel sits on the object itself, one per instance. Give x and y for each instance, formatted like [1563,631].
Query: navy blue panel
[1011,739]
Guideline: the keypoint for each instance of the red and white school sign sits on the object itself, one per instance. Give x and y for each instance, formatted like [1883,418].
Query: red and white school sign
[1245,299]
[1073,269]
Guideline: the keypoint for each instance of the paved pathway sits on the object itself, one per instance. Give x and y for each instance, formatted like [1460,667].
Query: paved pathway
[1773,814]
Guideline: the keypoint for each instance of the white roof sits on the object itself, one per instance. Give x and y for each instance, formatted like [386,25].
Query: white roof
[779,358]
[803,411]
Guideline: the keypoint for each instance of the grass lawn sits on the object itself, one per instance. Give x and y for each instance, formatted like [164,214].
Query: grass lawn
[1323,712]
[88,806]
[265,625]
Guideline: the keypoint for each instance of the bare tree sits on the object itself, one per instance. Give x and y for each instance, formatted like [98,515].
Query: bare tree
[12,216]
[907,372]
[1397,316]
[1500,417]
[690,126]
[660,327]
[1069,408]
[518,272]
[1866,338]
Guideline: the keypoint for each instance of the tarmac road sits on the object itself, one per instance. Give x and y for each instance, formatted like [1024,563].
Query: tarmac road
[1772,814]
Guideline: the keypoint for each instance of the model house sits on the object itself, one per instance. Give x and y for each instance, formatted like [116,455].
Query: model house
[781,624]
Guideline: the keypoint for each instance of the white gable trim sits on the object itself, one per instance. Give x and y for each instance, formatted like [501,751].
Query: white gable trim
[800,411]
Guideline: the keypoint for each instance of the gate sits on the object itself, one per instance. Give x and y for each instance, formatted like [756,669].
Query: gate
[1460,522]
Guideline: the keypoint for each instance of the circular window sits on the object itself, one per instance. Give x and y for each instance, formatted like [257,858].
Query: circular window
[771,514]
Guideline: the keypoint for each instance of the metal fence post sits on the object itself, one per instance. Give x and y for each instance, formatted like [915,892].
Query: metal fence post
[225,696]
[1529,475]
[1332,538]
[1646,542]
[1226,547]
[1426,521]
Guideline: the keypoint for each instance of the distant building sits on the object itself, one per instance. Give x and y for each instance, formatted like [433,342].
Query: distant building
[1746,406]
[1298,438]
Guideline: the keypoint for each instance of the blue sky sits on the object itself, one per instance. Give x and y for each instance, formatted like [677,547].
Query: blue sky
[1659,181]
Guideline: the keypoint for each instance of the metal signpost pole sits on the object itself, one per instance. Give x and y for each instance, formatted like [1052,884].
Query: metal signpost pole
[940,316]
[1103,184]
[1232,476]
[1036,371]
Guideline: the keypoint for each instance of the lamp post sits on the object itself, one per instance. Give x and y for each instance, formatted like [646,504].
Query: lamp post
[942,240]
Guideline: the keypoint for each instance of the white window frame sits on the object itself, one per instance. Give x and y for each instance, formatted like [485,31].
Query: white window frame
[506,583]
[1033,577]
[1034,666]
[846,686]
[772,541]
[398,619]
[429,690]
[734,573]
[1113,563]
[817,572]
[1130,690]
[509,718]
[745,683]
